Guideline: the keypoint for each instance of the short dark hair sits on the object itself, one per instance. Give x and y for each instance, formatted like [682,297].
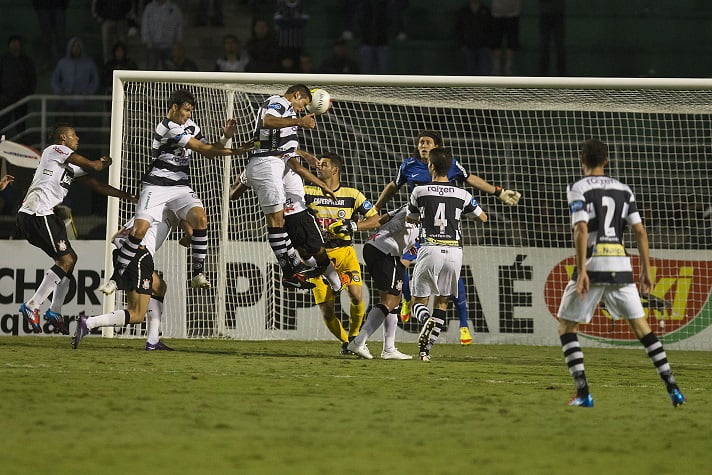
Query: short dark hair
[300,88]
[181,96]
[59,129]
[231,36]
[437,138]
[594,153]
[441,159]
[335,158]
[14,37]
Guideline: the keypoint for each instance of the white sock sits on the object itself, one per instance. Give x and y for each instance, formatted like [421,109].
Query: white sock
[59,294]
[332,276]
[49,283]
[389,332]
[374,319]
[115,318]
[311,262]
[153,319]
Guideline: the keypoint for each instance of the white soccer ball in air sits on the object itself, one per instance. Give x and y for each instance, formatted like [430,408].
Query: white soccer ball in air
[320,103]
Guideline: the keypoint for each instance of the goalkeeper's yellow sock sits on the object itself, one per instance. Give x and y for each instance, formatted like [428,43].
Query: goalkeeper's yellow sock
[336,328]
[356,319]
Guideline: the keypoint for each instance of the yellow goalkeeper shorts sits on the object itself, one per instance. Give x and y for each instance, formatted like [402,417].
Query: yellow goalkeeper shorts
[346,264]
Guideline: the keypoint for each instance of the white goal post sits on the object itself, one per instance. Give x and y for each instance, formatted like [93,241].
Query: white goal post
[520,133]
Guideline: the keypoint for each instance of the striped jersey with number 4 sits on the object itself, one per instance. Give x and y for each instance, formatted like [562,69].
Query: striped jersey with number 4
[440,206]
[607,206]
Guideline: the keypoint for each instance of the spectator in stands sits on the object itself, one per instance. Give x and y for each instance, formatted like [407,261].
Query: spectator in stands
[473,27]
[339,62]
[291,18]
[119,60]
[234,59]
[18,79]
[551,27]
[114,17]
[287,65]
[375,51]
[306,63]
[178,60]
[262,49]
[161,28]
[51,15]
[75,74]
[215,17]
[505,31]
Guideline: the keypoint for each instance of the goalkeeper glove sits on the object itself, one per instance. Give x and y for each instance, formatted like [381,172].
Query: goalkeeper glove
[343,228]
[508,197]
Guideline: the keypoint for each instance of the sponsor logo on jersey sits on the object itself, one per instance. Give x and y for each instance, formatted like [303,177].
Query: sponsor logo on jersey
[576,206]
[441,190]
[62,245]
[146,284]
[367,205]
[677,306]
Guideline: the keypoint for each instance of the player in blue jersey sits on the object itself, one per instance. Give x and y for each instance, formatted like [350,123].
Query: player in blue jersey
[413,171]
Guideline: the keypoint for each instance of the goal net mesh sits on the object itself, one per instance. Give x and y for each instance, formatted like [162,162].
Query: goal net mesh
[515,266]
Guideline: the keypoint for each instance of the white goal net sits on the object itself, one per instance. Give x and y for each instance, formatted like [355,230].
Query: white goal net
[520,133]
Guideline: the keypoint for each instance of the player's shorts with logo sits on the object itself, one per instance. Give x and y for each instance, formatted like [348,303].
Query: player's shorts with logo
[138,275]
[387,271]
[304,232]
[153,198]
[346,264]
[621,301]
[436,271]
[264,176]
[49,233]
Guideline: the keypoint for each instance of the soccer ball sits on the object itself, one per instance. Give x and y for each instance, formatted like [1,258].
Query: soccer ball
[320,103]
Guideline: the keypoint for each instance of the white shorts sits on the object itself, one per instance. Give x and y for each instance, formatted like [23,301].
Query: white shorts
[264,176]
[154,198]
[436,272]
[621,301]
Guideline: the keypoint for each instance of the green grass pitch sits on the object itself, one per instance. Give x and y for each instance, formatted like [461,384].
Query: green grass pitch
[287,407]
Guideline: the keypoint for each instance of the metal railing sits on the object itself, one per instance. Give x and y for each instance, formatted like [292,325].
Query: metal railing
[89,114]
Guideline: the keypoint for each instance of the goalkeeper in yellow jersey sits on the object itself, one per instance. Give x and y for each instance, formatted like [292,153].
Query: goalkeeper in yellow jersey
[338,221]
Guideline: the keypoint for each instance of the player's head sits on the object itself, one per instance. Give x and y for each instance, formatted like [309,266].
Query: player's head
[330,165]
[64,134]
[594,154]
[299,96]
[426,141]
[180,106]
[440,161]
[231,44]
[14,45]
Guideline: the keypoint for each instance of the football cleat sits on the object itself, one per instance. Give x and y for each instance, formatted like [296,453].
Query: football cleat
[465,337]
[424,356]
[82,331]
[361,350]
[425,332]
[57,320]
[199,281]
[158,346]
[405,311]
[394,354]
[345,349]
[109,287]
[582,401]
[677,398]
[32,316]
[297,281]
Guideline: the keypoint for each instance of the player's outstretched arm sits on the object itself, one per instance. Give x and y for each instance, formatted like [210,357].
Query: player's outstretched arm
[308,157]
[105,189]
[300,170]
[89,165]
[386,195]
[208,149]
[273,122]
[508,197]
[6,180]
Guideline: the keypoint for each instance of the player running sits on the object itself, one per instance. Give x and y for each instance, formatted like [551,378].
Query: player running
[60,165]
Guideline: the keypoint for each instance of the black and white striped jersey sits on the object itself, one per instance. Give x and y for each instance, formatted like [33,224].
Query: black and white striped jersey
[171,159]
[51,181]
[275,142]
[607,206]
[440,206]
[396,236]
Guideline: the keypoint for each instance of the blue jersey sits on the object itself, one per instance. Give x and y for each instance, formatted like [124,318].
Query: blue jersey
[414,172]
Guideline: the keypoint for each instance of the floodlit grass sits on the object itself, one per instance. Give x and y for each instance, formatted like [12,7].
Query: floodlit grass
[288,407]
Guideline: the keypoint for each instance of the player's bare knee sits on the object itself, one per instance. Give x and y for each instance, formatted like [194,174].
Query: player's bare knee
[159,287]
[140,228]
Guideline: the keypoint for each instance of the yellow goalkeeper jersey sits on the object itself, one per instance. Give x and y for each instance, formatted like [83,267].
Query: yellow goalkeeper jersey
[351,204]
